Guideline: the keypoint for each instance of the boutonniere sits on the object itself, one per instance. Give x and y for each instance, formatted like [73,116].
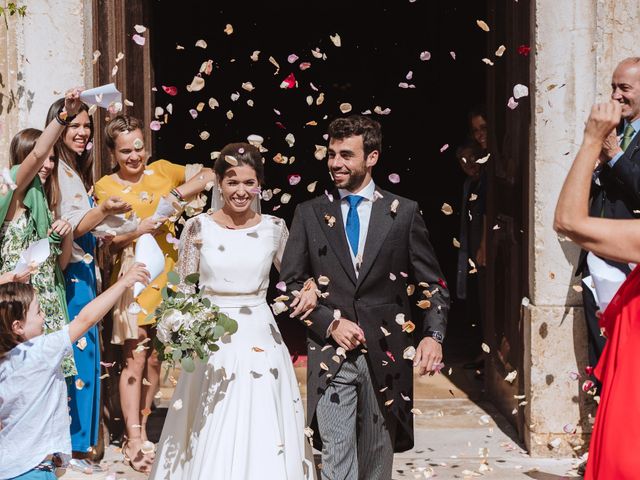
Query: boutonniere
[394,207]
[330,219]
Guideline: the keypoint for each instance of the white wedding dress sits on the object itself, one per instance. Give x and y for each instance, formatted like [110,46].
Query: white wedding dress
[239,415]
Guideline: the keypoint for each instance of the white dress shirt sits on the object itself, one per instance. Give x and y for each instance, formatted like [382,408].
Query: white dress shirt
[364,213]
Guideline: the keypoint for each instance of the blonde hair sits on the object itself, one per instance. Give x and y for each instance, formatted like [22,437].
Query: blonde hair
[15,299]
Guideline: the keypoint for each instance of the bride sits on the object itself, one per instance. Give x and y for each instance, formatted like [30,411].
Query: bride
[239,415]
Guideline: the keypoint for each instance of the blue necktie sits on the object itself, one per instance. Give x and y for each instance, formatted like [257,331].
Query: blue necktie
[353,222]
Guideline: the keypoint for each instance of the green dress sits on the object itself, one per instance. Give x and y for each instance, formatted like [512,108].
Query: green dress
[15,238]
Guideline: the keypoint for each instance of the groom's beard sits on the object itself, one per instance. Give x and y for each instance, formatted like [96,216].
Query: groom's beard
[353,181]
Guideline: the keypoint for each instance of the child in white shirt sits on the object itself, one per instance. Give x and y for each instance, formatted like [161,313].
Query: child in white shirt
[34,418]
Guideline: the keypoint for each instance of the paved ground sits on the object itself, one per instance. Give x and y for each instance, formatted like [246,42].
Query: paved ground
[458,436]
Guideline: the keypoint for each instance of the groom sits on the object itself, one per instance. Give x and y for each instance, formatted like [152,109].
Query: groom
[369,252]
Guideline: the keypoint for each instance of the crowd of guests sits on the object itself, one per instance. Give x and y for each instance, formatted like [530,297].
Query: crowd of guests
[50,195]
[53,195]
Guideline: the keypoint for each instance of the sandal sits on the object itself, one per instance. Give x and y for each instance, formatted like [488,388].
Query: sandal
[138,463]
[85,466]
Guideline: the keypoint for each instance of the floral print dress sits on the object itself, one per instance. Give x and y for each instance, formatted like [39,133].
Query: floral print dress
[15,238]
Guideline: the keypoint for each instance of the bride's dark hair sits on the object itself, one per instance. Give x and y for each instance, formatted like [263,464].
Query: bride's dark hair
[244,154]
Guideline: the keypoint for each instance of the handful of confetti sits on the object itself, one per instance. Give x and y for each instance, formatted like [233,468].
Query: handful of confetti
[189,325]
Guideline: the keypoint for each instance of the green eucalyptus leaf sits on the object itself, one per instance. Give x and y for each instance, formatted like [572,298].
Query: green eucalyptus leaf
[188,364]
[173,277]
[192,278]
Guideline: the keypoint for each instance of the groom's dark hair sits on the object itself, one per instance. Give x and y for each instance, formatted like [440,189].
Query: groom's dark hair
[353,125]
[244,154]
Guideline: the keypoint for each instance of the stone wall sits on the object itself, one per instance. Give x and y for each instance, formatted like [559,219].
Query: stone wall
[41,55]
[577,46]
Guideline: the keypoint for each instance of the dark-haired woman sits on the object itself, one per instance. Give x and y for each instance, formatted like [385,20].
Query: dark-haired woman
[142,186]
[74,177]
[239,415]
[25,217]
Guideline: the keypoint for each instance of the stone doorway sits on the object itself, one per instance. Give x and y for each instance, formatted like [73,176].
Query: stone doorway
[421,60]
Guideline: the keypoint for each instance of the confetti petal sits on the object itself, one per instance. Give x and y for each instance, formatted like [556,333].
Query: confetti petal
[294,179]
[482,24]
[394,178]
[171,90]
[446,209]
[345,107]
[139,39]
[424,56]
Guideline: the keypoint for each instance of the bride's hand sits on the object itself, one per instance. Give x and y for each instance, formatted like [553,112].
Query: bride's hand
[306,301]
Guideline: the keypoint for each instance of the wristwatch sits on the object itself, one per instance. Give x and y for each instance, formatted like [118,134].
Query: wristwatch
[436,335]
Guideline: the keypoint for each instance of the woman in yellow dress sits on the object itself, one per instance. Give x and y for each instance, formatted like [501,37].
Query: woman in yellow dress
[142,186]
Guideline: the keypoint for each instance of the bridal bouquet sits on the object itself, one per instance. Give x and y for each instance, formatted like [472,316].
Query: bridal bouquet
[188,325]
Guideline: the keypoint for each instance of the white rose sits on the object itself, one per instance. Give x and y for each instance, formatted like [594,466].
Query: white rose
[172,320]
[164,335]
[188,321]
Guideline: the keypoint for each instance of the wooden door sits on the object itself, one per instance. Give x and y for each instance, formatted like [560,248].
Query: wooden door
[507,206]
[113,29]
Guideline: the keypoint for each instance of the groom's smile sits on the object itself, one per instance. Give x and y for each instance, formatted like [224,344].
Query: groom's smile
[348,166]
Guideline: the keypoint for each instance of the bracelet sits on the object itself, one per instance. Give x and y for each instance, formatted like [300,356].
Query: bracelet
[64,122]
[176,193]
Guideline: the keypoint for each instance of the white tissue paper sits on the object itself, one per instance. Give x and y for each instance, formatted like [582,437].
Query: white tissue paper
[34,255]
[103,96]
[605,280]
[148,252]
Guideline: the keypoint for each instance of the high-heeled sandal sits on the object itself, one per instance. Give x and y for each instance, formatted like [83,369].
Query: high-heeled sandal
[139,465]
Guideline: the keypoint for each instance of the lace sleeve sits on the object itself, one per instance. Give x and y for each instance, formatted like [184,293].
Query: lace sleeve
[189,257]
[281,241]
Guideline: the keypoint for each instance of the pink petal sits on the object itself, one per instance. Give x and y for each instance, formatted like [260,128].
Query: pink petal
[89,146]
[444,147]
[139,39]
[390,355]
[155,125]
[424,56]
[194,113]
[294,179]
[512,103]
[282,286]
[305,65]
[394,178]
[293,58]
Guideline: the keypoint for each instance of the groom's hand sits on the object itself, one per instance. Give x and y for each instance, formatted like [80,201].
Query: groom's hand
[428,355]
[347,334]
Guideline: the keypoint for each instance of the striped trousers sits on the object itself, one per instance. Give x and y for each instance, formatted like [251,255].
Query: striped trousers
[356,434]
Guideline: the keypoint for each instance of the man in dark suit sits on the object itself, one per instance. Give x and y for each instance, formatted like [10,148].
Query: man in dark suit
[615,190]
[369,252]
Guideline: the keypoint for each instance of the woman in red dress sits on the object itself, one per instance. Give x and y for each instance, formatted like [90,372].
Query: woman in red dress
[615,441]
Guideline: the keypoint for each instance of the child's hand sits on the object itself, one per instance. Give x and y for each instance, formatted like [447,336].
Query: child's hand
[61,227]
[137,273]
